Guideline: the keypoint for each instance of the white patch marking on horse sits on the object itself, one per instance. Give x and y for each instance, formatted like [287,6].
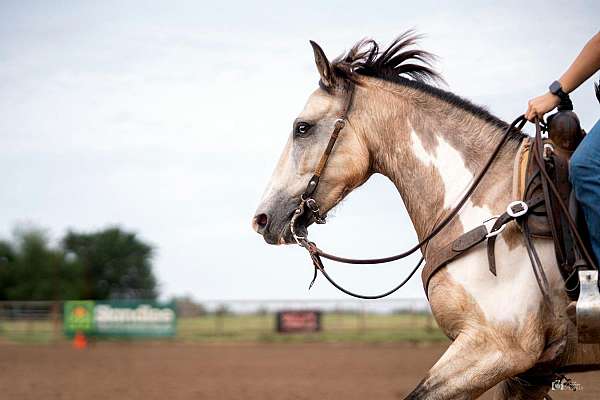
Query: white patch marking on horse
[472,216]
[455,175]
[418,149]
[495,295]
[514,275]
[449,164]
[281,175]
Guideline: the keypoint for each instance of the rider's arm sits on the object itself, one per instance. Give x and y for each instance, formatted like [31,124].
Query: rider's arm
[584,66]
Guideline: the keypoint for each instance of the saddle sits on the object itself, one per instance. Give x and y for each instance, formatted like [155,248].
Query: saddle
[542,172]
[548,219]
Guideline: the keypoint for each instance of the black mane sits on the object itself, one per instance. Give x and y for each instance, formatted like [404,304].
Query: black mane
[400,64]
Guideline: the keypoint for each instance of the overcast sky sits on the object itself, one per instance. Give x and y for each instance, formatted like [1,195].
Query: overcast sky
[167,118]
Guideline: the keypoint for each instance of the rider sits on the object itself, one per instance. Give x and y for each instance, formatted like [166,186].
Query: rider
[585,162]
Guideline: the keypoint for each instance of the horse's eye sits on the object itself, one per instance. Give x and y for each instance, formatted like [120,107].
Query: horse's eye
[302,128]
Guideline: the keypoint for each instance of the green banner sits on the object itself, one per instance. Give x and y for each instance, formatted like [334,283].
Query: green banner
[120,318]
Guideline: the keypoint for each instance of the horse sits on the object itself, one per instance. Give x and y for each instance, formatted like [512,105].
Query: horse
[431,144]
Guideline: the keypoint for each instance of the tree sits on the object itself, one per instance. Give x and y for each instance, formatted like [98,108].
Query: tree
[31,270]
[7,262]
[115,263]
[110,263]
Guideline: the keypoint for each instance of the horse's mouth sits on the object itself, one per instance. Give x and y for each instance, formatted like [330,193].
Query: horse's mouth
[276,227]
[301,228]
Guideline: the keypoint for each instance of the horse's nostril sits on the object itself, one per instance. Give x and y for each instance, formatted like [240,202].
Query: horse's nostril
[261,220]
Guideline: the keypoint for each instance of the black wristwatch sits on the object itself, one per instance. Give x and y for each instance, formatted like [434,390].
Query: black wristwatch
[556,89]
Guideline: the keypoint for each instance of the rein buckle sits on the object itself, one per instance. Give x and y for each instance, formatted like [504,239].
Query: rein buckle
[517,209]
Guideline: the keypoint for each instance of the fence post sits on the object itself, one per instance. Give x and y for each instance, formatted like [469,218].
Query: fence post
[219,321]
[429,326]
[363,318]
[55,320]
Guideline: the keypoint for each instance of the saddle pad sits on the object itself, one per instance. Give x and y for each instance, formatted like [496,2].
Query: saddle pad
[520,168]
[538,224]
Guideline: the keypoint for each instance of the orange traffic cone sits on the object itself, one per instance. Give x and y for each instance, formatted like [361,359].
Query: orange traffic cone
[80,341]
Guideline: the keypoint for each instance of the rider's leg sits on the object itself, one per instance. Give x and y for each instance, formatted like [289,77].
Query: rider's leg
[585,177]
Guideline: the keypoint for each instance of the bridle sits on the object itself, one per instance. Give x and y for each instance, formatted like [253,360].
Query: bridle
[307,199]
[308,202]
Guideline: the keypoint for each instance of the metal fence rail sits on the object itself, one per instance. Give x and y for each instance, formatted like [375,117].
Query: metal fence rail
[30,321]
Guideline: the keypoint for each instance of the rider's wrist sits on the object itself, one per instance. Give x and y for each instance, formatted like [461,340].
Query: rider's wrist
[565,87]
[556,89]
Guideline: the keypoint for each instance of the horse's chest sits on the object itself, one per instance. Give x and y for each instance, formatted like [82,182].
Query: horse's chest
[465,292]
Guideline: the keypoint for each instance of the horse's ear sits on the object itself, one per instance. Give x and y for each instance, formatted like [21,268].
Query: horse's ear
[323,65]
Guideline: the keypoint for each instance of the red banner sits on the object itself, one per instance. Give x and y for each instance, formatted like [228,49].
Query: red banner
[298,321]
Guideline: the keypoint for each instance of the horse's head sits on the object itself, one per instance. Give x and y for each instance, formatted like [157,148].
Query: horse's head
[347,167]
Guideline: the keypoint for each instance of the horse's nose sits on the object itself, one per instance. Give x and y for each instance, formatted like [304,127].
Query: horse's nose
[259,223]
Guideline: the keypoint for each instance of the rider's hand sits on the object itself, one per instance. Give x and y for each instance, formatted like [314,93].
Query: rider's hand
[537,107]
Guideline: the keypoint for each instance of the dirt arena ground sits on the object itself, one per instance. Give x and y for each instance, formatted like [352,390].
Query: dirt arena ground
[230,371]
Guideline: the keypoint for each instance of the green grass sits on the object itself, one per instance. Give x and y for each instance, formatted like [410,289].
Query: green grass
[35,331]
[371,328]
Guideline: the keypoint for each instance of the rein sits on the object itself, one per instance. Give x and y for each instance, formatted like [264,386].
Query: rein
[307,201]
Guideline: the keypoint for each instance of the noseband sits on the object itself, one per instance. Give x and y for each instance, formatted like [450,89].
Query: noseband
[309,204]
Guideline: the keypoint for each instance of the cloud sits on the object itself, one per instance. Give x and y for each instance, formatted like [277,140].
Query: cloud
[169,118]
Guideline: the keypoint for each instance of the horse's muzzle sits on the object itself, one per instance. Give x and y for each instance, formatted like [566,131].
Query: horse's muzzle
[272,221]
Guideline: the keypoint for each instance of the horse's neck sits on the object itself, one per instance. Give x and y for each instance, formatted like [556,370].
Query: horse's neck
[431,152]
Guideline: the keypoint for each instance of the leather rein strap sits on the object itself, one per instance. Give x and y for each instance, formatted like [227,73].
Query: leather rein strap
[307,201]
